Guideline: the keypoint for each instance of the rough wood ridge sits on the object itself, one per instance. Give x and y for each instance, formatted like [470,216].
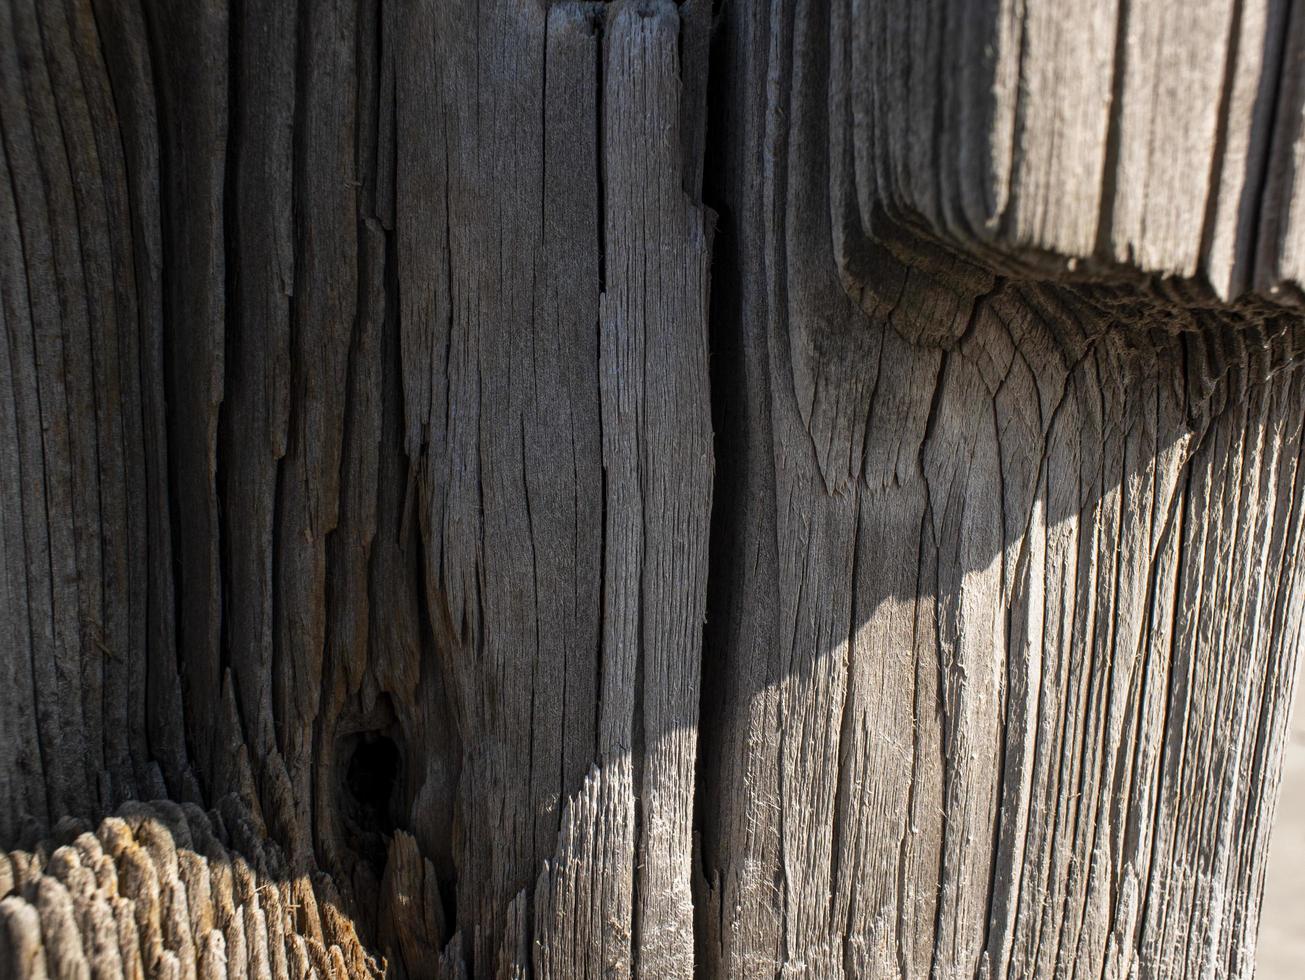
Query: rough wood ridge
[171,891]
[567,489]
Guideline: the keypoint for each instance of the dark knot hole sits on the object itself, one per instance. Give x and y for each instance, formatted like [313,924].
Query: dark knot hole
[373,777]
[372,802]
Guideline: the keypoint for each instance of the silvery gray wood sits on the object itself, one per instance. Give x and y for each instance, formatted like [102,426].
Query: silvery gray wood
[795,488]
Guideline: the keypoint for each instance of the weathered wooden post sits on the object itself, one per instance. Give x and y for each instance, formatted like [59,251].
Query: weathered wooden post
[572,489]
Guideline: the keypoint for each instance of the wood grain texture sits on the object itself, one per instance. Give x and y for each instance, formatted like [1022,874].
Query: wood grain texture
[1080,139]
[567,471]
[489,569]
[396,309]
[88,620]
[161,890]
[1019,689]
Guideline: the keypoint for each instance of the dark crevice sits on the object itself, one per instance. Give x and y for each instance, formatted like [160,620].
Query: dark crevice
[369,793]
[1275,76]
[846,737]
[1110,168]
[281,697]
[600,103]
[1173,528]
[372,778]
[443,860]
[731,442]
[600,195]
[167,316]
[1006,775]
[1220,150]
[231,337]
[1163,768]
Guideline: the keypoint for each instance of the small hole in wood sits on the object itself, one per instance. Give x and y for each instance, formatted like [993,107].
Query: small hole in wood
[370,801]
[373,777]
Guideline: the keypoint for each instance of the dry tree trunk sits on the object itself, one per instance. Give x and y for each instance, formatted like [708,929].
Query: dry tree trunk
[374,448]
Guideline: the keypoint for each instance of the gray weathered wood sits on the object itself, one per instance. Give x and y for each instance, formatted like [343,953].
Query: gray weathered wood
[504,572]
[1015,560]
